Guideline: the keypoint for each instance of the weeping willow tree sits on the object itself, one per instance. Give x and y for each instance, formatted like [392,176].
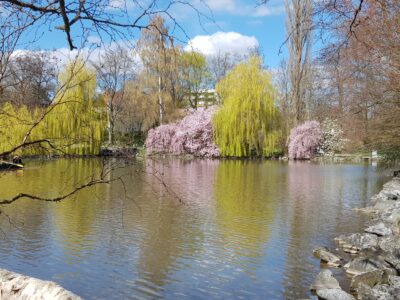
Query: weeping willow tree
[14,123]
[73,123]
[77,120]
[247,122]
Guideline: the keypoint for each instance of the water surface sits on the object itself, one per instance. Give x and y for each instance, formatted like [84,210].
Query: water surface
[246,228]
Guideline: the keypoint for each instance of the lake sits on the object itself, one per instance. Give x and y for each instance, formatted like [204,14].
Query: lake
[182,229]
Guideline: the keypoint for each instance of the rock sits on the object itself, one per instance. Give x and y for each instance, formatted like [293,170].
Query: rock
[381,292]
[393,260]
[390,244]
[371,278]
[384,205]
[392,186]
[379,229]
[388,195]
[327,257]
[392,216]
[325,280]
[394,280]
[16,286]
[363,265]
[355,242]
[334,294]
[391,196]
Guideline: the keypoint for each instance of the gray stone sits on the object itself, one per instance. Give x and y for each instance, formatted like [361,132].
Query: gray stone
[381,292]
[393,260]
[365,292]
[325,280]
[363,265]
[391,196]
[327,257]
[355,242]
[384,205]
[388,195]
[392,216]
[334,294]
[16,286]
[371,278]
[390,244]
[393,186]
[394,281]
[379,229]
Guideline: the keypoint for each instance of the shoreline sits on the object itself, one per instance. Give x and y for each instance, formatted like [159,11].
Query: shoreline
[374,264]
[17,286]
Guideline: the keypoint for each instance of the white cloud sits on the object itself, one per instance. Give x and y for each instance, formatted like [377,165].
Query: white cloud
[233,42]
[243,8]
[120,4]
[92,54]
[265,10]
[222,5]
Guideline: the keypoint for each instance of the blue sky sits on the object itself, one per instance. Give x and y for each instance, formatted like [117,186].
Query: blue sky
[266,24]
[236,26]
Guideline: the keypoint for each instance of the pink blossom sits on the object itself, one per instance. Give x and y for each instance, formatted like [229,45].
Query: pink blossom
[192,135]
[304,140]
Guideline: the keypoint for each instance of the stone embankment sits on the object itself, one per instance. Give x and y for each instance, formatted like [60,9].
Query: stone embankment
[374,264]
[14,286]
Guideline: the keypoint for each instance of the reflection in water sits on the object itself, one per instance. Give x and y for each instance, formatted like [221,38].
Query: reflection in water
[320,203]
[172,235]
[244,210]
[246,229]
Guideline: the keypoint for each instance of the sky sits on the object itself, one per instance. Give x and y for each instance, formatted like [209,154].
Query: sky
[240,24]
[228,25]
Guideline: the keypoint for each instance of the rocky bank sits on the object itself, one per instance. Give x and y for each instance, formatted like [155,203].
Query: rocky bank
[14,286]
[374,263]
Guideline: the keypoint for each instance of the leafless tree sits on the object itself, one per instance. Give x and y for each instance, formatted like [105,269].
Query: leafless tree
[219,64]
[222,62]
[299,27]
[110,20]
[31,79]
[115,68]
[282,82]
[159,56]
[9,38]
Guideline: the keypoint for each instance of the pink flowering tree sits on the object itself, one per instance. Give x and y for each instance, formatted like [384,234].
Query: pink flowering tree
[304,140]
[192,135]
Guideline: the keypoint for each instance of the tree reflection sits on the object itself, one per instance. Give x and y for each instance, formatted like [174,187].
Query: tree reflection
[245,207]
[74,217]
[171,230]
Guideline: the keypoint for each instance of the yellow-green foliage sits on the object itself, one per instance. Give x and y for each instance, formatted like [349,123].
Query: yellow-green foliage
[74,122]
[247,122]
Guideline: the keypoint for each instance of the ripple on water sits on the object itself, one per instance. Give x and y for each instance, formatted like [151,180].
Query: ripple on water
[246,231]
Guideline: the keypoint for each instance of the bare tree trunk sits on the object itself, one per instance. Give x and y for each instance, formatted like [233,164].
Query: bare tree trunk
[111,124]
[299,25]
[160,100]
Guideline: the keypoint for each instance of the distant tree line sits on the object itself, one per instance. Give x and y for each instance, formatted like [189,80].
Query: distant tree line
[353,79]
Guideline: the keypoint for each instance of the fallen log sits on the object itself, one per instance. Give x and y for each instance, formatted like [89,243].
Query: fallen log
[5,165]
